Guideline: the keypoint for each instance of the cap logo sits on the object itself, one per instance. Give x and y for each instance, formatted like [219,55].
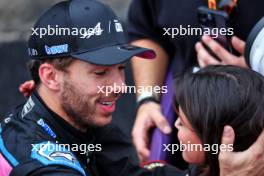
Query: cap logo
[118,26]
[97,30]
[57,49]
[32,52]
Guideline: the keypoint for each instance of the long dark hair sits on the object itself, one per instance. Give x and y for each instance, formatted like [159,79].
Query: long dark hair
[222,95]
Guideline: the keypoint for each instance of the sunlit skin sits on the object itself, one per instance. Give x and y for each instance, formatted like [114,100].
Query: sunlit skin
[187,135]
[77,99]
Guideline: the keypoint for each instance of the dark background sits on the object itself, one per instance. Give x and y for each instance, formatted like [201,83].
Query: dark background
[16,19]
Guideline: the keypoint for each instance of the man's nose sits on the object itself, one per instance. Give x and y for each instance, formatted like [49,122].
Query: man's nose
[118,83]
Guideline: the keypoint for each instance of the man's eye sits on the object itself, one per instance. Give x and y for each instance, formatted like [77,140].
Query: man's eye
[100,73]
[122,67]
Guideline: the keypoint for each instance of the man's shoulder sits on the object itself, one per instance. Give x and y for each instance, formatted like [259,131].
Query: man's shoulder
[28,144]
[17,133]
[25,149]
[17,136]
[24,127]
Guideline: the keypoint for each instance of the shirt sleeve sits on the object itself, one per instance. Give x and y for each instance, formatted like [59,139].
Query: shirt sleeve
[142,23]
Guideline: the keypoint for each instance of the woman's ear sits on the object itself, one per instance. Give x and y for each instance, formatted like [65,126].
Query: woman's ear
[49,76]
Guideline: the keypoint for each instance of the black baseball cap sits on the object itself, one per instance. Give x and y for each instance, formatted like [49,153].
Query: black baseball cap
[87,30]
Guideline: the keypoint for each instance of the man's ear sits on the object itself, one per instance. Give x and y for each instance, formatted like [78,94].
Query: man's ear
[49,76]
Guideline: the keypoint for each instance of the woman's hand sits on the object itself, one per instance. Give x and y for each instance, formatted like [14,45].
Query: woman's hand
[27,88]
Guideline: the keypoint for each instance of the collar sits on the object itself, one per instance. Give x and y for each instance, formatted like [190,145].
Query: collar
[64,131]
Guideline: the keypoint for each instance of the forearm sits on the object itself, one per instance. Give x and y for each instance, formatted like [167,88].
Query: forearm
[150,72]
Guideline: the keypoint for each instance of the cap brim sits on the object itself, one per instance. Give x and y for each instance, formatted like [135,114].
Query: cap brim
[116,54]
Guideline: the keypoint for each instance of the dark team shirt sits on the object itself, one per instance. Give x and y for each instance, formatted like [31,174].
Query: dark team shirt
[147,18]
[30,144]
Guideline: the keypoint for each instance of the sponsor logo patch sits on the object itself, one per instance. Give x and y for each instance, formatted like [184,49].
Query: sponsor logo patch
[57,49]
[49,153]
[27,107]
[46,128]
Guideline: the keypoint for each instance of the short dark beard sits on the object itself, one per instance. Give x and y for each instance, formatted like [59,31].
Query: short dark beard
[77,107]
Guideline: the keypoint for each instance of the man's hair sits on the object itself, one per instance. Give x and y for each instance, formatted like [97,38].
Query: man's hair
[60,64]
[222,95]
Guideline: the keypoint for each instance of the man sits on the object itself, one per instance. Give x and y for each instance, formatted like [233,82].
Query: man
[66,113]
[62,129]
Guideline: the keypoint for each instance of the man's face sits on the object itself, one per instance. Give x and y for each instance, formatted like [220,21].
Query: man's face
[81,98]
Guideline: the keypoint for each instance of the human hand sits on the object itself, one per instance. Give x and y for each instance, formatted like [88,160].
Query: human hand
[226,58]
[27,87]
[249,162]
[149,115]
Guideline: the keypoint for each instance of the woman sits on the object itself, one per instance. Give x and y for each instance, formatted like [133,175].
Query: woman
[208,100]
